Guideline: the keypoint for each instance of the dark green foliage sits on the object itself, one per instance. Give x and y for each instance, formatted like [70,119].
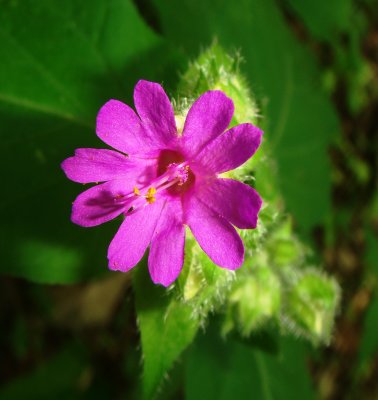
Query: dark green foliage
[227,370]
[54,76]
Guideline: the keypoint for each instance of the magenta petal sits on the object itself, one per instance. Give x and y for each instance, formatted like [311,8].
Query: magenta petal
[119,127]
[217,237]
[167,247]
[235,201]
[98,204]
[155,111]
[231,149]
[133,237]
[208,117]
[98,165]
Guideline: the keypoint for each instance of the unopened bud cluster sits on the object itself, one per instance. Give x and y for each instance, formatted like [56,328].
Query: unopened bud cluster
[276,284]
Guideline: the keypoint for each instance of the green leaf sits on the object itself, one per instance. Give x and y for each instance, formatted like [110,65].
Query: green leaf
[167,327]
[228,370]
[60,61]
[325,20]
[300,121]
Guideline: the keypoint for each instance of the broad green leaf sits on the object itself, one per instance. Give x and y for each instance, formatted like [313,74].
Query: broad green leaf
[228,370]
[167,327]
[299,119]
[325,19]
[343,24]
[60,61]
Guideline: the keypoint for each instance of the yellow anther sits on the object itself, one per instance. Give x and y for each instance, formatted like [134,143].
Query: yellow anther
[150,198]
[136,191]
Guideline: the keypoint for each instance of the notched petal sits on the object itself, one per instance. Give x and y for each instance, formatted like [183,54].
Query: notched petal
[209,117]
[230,150]
[166,256]
[118,126]
[156,112]
[217,237]
[100,203]
[99,165]
[235,201]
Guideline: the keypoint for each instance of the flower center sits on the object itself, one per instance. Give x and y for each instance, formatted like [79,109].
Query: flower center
[173,180]
[169,157]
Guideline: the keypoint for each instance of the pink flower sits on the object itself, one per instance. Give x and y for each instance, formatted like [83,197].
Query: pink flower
[167,180]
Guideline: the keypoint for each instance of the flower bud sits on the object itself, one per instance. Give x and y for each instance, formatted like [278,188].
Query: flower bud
[214,69]
[253,300]
[311,304]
